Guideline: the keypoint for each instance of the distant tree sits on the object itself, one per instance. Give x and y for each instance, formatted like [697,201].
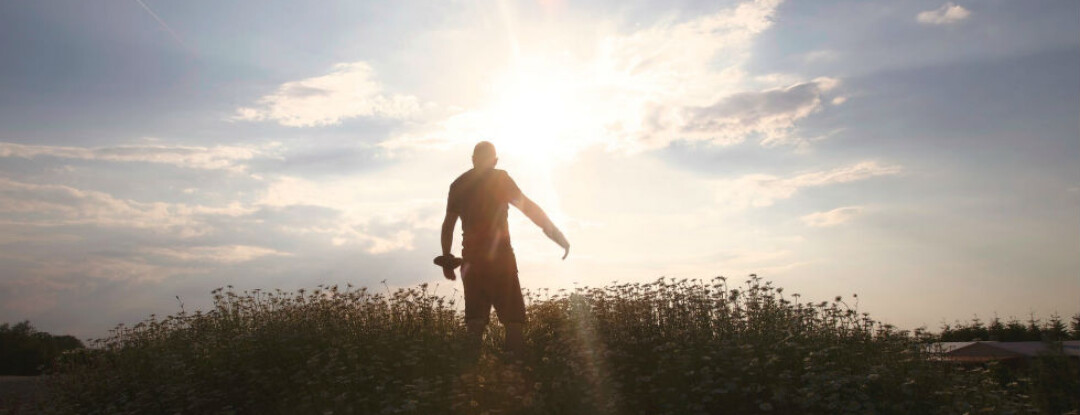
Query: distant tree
[1014,331]
[1055,329]
[996,329]
[946,332]
[24,350]
[964,332]
[1076,327]
[977,330]
[1034,329]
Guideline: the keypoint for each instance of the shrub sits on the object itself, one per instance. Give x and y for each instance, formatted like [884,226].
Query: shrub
[24,351]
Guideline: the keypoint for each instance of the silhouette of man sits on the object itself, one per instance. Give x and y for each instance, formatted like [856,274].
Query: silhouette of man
[489,272]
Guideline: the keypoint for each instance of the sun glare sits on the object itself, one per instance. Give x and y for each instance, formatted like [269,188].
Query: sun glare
[539,115]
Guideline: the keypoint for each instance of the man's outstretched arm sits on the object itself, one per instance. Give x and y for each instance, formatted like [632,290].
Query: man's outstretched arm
[537,216]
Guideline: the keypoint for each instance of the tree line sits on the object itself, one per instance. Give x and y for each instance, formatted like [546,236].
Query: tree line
[25,351]
[1012,330]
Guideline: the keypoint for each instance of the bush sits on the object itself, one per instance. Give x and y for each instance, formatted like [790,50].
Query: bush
[24,351]
[668,347]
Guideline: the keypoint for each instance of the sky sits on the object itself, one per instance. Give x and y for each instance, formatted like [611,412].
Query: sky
[920,154]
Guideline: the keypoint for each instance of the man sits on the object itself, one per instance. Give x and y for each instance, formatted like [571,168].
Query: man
[489,272]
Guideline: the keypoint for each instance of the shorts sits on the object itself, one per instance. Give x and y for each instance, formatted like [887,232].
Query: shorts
[493,283]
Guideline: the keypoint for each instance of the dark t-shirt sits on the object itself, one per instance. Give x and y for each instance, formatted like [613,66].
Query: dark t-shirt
[481,198]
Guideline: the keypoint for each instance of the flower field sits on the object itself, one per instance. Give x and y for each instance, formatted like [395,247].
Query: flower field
[667,347]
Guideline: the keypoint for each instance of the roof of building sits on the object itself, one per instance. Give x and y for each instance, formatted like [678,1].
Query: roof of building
[981,351]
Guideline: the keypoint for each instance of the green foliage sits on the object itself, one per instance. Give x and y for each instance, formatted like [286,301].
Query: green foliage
[669,347]
[1075,327]
[24,350]
[1053,329]
[1054,382]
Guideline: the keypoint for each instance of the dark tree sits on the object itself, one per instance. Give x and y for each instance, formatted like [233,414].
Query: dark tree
[1014,331]
[1055,329]
[977,330]
[996,329]
[1034,329]
[973,331]
[1076,327]
[25,351]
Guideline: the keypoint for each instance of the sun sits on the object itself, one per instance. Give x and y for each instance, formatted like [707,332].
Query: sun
[539,114]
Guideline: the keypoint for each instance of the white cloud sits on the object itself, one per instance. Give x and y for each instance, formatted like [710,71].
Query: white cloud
[771,113]
[855,172]
[42,238]
[821,55]
[106,268]
[120,269]
[217,157]
[348,91]
[763,262]
[228,254]
[398,241]
[833,217]
[380,214]
[59,205]
[946,14]
[760,190]
[31,295]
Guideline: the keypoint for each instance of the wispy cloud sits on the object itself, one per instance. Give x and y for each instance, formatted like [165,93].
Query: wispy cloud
[350,90]
[820,55]
[228,254]
[946,14]
[376,214]
[195,157]
[31,295]
[58,205]
[833,217]
[760,190]
[50,205]
[113,268]
[771,113]
[163,24]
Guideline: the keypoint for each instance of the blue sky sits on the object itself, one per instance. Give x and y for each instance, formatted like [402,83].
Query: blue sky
[921,154]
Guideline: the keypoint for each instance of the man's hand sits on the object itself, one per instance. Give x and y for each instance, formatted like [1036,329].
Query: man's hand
[557,236]
[449,273]
[537,216]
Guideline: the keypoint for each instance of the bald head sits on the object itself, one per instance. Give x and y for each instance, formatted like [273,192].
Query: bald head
[483,155]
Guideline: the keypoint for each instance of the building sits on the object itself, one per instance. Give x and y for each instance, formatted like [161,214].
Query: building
[986,351]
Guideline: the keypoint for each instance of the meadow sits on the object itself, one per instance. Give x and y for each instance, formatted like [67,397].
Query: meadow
[666,347]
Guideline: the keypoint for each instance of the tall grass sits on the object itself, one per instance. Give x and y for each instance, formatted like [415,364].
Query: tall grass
[667,347]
